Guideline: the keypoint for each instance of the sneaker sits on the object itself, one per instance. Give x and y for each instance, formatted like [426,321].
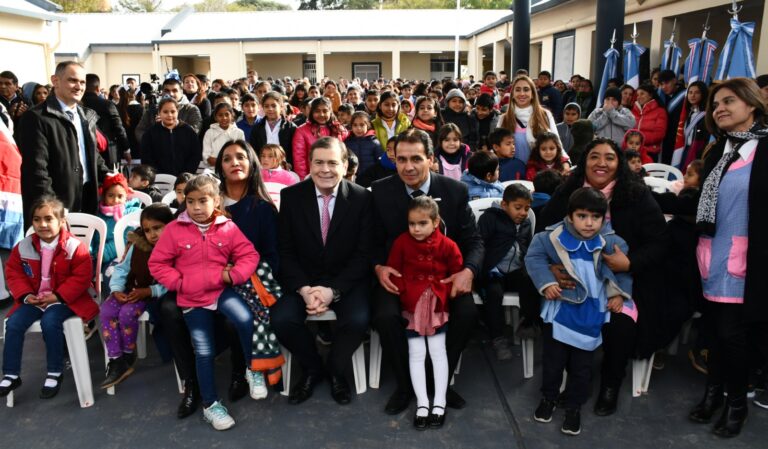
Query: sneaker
[117,371]
[572,422]
[699,360]
[544,411]
[218,416]
[256,384]
[761,399]
[502,349]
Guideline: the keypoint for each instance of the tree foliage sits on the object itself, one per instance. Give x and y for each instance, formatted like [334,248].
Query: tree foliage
[262,5]
[338,4]
[140,5]
[239,5]
[404,4]
[79,6]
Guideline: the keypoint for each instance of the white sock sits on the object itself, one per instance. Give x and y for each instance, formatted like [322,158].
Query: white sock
[50,383]
[7,382]
[440,370]
[417,354]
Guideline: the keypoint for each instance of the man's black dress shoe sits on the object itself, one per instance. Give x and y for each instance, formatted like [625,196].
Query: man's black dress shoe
[732,420]
[399,401]
[340,390]
[606,401]
[421,422]
[453,399]
[304,388]
[190,401]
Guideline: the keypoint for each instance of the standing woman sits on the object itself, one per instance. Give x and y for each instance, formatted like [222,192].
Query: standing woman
[733,246]
[299,94]
[274,127]
[193,90]
[651,121]
[130,113]
[526,117]
[693,125]
[627,96]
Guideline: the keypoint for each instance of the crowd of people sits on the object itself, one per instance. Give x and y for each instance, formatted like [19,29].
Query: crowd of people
[374,223]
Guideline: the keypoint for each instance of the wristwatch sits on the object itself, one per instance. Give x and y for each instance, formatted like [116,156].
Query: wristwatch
[336,295]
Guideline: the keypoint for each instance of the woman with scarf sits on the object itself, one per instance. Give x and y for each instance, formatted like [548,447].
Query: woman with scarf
[732,248]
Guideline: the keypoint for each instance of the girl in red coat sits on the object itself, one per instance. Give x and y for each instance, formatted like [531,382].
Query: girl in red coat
[651,120]
[425,257]
[49,274]
[547,154]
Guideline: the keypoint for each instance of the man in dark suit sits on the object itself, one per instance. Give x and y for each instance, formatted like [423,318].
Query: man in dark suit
[109,122]
[413,158]
[324,243]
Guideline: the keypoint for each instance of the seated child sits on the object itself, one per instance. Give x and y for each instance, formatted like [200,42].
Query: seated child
[451,155]
[571,113]
[635,162]
[482,176]
[544,185]
[143,180]
[384,167]
[574,318]
[424,256]
[547,154]
[132,286]
[201,256]
[178,189]
[502,141]
[48,275]
[633,140]
[506,232]
[274,165]
[112,207]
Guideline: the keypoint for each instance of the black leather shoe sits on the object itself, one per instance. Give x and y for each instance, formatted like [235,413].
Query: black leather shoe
[453,400]
[706,409]
[436,421]
[399,401]
[732,420]
[304,388]
[606,401]
[49,392]
[15,383]
[340,390]
[421,422]
[238,388]
[190,401]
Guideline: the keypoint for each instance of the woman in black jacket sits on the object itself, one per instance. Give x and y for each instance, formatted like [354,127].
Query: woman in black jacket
[171,146]
[274,116]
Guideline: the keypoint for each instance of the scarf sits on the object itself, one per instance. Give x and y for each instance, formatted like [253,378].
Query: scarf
[706,214]
[115,211]
[524,115]
[424,126]
[607,192]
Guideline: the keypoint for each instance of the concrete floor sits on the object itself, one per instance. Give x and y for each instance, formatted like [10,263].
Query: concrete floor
[499,413]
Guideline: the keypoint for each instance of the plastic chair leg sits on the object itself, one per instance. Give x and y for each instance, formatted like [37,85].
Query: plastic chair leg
[564,383]
[374,368]
[515,324]
[641,376]
[286,372]
[110,390]
[358,366]
[178,379]
[527,345]
[78,355]
[141,339]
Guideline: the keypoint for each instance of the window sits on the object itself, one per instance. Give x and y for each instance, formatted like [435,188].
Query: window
[441,68]
[310,71]
[366,70]
[563,58]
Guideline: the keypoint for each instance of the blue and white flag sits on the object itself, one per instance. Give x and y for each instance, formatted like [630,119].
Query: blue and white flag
[632,52]
[700,62]
[736,59]
[609,71]
[672,56]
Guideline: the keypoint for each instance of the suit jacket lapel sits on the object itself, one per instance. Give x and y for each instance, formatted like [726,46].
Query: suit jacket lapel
[312,210]
[339,208]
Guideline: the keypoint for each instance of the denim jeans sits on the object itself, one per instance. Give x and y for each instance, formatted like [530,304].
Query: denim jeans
[51,322]
[201,330]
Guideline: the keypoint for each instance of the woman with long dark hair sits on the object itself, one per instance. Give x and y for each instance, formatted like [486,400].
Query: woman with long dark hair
[692,126]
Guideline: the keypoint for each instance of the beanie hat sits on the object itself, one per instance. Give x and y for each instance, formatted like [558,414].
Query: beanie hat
[582,131]
[613,93]
[453,93]
[113,179]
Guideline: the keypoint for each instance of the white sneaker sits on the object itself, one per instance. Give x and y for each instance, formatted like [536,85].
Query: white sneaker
[218,416]
[258,387]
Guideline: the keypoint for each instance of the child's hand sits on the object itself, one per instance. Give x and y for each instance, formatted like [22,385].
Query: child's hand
[139,294]
[552,292]
[120,296]
[225,277]
[47,299]
[32,300]
[615,304]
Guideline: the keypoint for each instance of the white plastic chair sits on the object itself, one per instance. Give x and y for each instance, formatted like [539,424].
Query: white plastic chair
[358,360]
[82,226]
[145,199]
[527,184]
[480,205]
[274,188]
[164,182]
[169,197]
[128,221]
[641,376]
[663,171]
[658,185]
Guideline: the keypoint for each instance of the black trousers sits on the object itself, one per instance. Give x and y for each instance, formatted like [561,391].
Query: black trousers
[389,323]
[288,317]
[559,356]
[175,328]
[530,300]
[619,339]
[736,344]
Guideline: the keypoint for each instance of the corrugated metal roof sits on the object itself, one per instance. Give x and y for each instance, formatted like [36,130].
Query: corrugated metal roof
[82,30]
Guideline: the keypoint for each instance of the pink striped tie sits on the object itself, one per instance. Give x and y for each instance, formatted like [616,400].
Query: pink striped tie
[325,221]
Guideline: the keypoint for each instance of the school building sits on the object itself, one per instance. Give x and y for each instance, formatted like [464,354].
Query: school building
[413,44]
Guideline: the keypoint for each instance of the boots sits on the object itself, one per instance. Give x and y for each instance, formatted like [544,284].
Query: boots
[731,421]
[704,410]
[190,400]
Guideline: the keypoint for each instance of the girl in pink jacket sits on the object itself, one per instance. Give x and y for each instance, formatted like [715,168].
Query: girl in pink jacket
[200,256]
[320,123]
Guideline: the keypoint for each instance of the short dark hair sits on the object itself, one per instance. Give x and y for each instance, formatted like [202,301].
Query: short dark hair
[498,135]
[371,92]
[414,135]
[427,204]
[158,212]
[62,66]
[481,163]
[516,191]
[7,74]
[57,207]
[171,81]
[183,178]
[632,154]
[485,100]
[667,75]
[202,78]
[92,81]
[248,97]
[588,199]
[545,73]
[346,107]
[547,181]
[145,172]
[327,143]
[489,73]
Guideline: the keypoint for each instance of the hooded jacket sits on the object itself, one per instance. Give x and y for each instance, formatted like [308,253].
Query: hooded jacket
[652,122]
[215,138]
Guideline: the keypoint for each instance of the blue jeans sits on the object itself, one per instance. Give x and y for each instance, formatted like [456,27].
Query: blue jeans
[201,330]
[51,322]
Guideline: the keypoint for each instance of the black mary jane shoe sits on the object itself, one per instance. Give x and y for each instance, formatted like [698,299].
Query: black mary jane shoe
[15,383]
[421,422]
[436,421]
[49,392]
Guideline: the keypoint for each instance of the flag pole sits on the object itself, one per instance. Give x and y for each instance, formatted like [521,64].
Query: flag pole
[735,9]
[634,35]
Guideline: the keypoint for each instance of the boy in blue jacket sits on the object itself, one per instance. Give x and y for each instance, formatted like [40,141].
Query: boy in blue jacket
[482,176]
[573,318]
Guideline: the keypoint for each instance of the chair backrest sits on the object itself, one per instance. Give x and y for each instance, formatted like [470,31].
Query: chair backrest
[145,199]
[658,185]
[165,182]
[528,184]
[169,197]
[83,226]
[274,188]
[663,171]
[479,206]
[131,220]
